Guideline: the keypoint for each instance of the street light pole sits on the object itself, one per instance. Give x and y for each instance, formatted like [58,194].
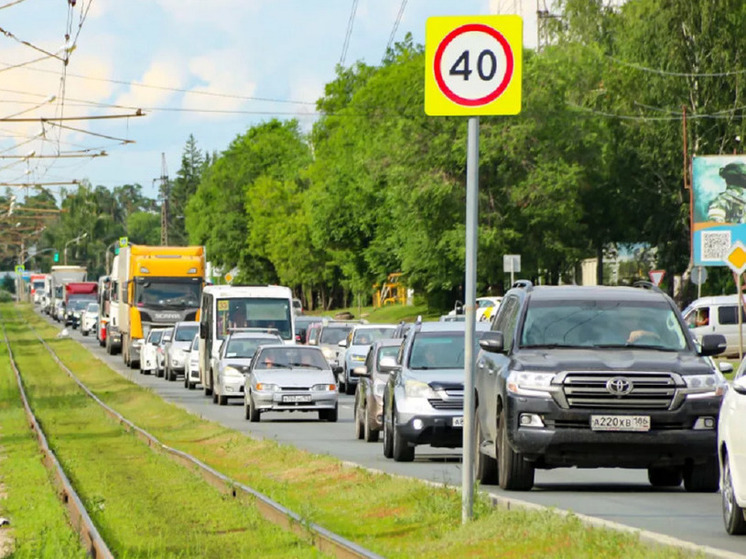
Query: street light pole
[75,240]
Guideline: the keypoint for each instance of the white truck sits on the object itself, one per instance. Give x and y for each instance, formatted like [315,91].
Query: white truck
[61,276]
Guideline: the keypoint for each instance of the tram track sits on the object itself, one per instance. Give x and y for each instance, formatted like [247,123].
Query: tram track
[319,537]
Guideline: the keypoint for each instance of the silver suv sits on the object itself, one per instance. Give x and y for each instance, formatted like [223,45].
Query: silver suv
[424,398]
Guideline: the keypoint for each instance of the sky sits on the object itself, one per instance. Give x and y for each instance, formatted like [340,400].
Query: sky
[210,68]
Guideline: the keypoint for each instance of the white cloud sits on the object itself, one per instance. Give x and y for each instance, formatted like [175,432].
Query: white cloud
[164,71]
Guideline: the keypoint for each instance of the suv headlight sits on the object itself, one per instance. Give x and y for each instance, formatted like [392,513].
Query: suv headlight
[530,384]
[418,389]
[703,386]
[233,372]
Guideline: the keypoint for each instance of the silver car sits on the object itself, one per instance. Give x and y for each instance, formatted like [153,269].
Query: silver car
[354,349]
[234,360]
[191,371]
[290,378]
[177,350]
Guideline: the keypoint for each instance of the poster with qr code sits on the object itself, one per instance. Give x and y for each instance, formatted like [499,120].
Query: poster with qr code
[719,206]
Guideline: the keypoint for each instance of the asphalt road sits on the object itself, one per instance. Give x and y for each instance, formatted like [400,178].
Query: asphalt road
[618,495]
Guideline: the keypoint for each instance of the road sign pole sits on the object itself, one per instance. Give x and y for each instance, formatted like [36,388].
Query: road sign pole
[472,210]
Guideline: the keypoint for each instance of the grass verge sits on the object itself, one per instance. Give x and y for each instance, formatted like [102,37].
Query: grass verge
[392,516]
[143,504]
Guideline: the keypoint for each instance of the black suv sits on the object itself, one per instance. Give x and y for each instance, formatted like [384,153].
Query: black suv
[596,377]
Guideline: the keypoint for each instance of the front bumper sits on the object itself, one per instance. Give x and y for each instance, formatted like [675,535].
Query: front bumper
[232,386]
[273,401]
[567,438]
[435,430]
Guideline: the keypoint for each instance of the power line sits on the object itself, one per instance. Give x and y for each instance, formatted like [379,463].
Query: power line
[396,26]
[348,34]
[675,74]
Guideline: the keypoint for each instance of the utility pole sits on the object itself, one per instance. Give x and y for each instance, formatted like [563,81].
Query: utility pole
[164,195]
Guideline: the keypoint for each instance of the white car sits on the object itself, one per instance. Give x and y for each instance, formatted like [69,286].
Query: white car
[487,308]
[148,352]
[732,453]
[89,319]
[191,370]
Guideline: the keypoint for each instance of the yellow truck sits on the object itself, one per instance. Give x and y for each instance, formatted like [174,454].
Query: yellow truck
[158,287]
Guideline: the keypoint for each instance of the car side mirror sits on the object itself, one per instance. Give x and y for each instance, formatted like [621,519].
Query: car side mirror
[492,342]
[336,369]
[725,367]
[712,344]
[388,365]
[739,385]
[342,343]
[360,372]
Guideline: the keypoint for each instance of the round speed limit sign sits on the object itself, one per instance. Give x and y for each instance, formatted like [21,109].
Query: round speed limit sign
[473,65]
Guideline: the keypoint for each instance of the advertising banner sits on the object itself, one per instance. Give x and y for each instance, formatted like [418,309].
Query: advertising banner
[719,212]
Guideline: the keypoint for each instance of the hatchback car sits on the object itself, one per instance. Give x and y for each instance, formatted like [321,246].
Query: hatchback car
[89,319]
[178,348]
[732,454]
[234,360]
[149,351]
[331,334]
[301,326]
[191,370]
[290,378]
[354,349]
[379,363]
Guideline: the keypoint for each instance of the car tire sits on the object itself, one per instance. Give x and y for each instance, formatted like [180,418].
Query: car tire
[665,477]
[388,445]
[214,394]
[207,390]
[252,414]
[513,471]
[702,478]
[735,524]
[330,415]
[222,400]
[349,387]
[369,434]
[485,467]
[359,429]
[403,452]
[186,380]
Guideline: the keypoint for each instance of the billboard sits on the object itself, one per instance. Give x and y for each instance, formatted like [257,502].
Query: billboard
[719,206]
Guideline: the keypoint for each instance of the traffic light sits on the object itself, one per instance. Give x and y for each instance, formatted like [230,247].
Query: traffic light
[56,256]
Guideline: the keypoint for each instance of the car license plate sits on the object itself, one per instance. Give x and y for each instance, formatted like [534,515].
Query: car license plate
[296,398]
[458,422]
[620,422]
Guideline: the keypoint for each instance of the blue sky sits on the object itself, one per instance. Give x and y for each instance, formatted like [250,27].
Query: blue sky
[258,59]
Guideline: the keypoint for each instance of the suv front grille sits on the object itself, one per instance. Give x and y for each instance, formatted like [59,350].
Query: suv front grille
[446,404]
[650,391]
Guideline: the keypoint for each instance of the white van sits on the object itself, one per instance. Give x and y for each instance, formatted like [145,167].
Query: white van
[225,307]
[717,315]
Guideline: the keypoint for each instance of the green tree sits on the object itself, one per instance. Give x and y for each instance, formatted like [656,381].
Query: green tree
[193,163]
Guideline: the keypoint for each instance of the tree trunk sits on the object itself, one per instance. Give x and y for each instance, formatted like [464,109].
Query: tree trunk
[600,264]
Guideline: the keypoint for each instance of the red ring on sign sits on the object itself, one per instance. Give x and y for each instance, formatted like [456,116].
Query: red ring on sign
[479,27]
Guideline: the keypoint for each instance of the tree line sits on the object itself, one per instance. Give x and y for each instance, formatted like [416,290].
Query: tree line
[594,159]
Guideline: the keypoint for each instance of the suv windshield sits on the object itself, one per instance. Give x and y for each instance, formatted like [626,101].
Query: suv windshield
[365,336]
[186,333]
[334,334]
[586,323]
[439,350]
[246,347]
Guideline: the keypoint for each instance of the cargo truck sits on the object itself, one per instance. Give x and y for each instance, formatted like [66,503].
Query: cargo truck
[77,297]
[157,287]
[62,275]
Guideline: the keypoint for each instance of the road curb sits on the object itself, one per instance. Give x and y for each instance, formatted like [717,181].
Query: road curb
[508,503]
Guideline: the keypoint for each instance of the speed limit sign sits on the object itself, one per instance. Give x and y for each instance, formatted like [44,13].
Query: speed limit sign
[473,65]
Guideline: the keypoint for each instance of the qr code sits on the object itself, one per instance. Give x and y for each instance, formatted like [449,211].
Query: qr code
[715,245]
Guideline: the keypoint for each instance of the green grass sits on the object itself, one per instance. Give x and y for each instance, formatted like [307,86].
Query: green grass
[393,516]
[39,523]
[388,314]
[143,504]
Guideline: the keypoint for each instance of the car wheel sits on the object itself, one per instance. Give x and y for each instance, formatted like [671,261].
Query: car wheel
[735,524]
[214,393]
[349,387]
[222,400]
[252,414]
[403,452]
[513,471]
[208,390]
[186,380]
[329,415]
[369,434]
[485,467]
[665,477]
[358,423]
[388,446]
[702,478]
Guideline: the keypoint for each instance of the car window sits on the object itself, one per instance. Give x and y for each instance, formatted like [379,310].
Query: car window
[186,333]
[365,336]
[388,351]
[334,335]
[290,358]
[727,314]
[155,337]
[195,343]
[438,350]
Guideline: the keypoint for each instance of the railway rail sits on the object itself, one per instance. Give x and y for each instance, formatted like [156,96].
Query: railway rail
[318,536]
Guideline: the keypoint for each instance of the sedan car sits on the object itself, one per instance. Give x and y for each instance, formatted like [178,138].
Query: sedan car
[379,363]
[191,370]
[160,351]
[732,451]
[149,351]
[177,349]
[290,378]
[354,349]
[234,360]
[89,319]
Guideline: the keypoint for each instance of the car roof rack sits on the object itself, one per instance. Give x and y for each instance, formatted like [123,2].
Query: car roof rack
[523,284]
[647,285]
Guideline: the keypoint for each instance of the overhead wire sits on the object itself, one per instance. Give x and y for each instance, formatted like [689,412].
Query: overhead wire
[348,34]
[11,4]
[396,26]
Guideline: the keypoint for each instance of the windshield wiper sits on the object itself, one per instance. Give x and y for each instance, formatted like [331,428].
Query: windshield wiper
[634,346]
[304,365]
[556,346]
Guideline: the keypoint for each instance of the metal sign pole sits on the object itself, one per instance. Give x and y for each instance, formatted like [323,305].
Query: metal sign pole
[739,308]
[472,189]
